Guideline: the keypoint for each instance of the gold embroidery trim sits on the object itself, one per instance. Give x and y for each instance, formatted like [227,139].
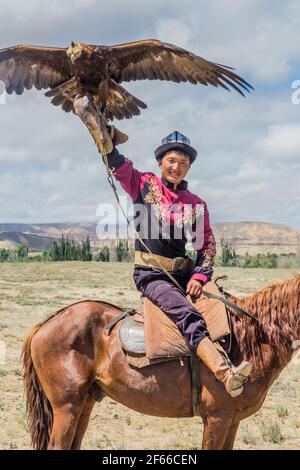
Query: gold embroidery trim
[154,197]
[210,252]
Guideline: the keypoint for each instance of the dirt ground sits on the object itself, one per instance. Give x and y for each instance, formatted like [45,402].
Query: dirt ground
[30,293]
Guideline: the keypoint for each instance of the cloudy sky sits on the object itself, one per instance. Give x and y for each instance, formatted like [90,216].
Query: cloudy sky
[248,149]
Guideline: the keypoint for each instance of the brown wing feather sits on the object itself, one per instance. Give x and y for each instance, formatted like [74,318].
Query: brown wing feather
[64,94]
[120,104]
[155,60]
[27,66]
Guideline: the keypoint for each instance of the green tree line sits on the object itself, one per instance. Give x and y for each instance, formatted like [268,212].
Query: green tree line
[67,249]
[229,258]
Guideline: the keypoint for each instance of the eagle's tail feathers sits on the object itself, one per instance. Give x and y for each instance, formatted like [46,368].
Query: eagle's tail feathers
[120,104]
[63,95]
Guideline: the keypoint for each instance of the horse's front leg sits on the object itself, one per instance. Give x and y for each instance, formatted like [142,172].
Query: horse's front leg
[215,432]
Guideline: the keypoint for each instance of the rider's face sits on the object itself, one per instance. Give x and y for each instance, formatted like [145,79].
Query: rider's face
[174,166]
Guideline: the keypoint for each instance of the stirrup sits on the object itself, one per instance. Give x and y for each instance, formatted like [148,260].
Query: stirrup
[236,391]
[246,370]
[238,379]
[245,365]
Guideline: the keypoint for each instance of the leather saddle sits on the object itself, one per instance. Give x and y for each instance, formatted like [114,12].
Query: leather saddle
[153,334]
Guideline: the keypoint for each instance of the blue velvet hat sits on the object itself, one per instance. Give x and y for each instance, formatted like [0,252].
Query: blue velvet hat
[178,141]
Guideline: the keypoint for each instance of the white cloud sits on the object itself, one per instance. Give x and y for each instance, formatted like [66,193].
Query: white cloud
[56,9]
[260,38]
[281,142]
[247,165]
[176,30]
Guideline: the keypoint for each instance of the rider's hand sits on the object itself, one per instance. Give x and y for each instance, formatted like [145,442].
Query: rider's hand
[194,288]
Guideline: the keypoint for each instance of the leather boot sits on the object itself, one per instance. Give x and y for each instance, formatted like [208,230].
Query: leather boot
[232,377]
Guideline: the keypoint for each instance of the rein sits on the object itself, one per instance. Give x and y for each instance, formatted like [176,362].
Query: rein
[239,310]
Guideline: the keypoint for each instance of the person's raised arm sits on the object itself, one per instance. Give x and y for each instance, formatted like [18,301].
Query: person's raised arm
[122,168]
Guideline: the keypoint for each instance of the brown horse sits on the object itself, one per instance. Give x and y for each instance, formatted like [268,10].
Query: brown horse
[64,355]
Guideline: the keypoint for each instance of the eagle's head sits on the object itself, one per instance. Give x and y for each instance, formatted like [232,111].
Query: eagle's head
[74,51]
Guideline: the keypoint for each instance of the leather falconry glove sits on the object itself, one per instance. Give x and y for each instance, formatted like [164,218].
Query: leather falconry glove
[108,143]
[112,137]
[86,110]
[118,137]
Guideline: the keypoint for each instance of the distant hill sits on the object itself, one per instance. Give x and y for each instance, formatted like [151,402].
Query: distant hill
[35,242]
[251,237]
[258,237]
[54,230]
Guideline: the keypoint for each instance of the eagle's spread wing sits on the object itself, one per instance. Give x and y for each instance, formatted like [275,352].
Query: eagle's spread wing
[155,60]
[26,66]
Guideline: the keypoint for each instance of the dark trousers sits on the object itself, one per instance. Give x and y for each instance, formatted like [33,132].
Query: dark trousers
[157,287]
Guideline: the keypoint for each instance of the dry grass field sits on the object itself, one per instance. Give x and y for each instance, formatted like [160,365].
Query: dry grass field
[30,293]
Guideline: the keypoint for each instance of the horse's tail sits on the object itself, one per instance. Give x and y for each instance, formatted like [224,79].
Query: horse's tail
[38,408]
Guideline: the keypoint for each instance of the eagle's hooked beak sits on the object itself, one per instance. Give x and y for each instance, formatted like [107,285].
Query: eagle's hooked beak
[74,51]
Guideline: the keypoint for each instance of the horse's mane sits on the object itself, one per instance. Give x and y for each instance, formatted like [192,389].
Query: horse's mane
[277,308]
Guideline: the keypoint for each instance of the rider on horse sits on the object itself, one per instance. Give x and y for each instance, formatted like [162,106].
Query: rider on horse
[155,197]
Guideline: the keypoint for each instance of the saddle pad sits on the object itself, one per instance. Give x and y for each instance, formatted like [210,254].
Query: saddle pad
[214,312]
[163,338]
[142,361]
[132,338]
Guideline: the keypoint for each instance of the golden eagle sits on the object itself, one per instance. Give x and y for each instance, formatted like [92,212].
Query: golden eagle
[98,70]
